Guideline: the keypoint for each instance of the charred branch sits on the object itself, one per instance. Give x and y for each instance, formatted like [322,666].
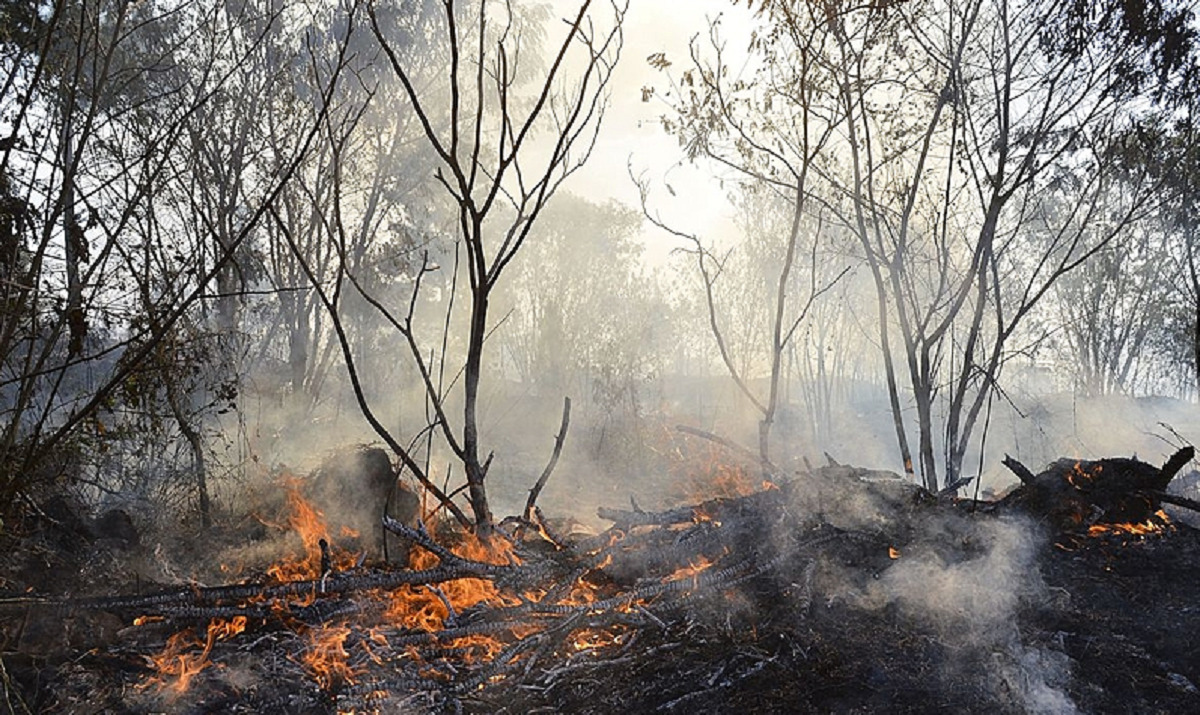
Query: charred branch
[559,439]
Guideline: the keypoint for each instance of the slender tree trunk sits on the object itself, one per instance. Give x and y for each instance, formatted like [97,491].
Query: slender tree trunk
[196,444]
[923,391]
[476,471]
[1194,274]
[75,249]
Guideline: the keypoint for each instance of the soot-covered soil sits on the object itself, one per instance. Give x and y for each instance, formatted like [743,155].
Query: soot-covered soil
[1111,633]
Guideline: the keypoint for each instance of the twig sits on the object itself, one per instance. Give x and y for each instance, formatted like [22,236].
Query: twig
[558,445]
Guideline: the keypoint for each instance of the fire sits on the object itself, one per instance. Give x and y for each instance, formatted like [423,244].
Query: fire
[1155,524]
[327,657]
[692,570]
[701,472]
[426,609]
[178,662]
[591,639]
[475,648]
[179,659]
[582,593]
[336,653]
[309,524]
[1077,477]
[893,552]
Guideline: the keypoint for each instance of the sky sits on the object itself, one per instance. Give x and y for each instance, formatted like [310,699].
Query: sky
[631,134]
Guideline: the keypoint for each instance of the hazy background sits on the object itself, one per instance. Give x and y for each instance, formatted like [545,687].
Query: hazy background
[174,234]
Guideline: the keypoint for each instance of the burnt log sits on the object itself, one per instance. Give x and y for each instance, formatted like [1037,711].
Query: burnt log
[1077,494]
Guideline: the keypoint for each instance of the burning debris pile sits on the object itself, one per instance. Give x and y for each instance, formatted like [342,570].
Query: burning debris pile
[1113,495]
[825,592]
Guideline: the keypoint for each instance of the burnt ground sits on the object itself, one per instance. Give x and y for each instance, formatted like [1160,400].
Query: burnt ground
[1112,633]
[977,612]
[1106,627]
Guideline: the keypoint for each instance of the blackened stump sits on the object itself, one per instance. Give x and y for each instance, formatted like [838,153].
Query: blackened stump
[1076,494]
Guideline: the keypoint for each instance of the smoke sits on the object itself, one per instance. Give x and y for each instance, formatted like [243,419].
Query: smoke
[968,580]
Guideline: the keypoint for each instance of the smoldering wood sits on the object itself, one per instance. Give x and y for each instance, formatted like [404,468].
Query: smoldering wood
[338,583]
[1177,500]
[1072,493]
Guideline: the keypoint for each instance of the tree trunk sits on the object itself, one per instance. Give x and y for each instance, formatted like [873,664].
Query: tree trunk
[75,250]
[476,471]
[196,444]
[1194,274]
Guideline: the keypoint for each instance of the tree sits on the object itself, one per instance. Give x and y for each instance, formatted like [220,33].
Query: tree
[100,99]
[512,133]
[773,133]
[943,137]
[1008,125]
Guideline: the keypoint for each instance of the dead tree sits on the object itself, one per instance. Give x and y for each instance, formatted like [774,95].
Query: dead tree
[498,178]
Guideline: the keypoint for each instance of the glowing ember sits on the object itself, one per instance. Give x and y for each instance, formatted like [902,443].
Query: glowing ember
[692,570]
[591,639]
[893,552]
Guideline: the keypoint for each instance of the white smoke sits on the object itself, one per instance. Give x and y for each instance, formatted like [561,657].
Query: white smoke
[971,592]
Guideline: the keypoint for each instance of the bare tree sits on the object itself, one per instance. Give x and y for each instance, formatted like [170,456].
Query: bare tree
[512,133]
[772,131]
[1005,124]
[102,96]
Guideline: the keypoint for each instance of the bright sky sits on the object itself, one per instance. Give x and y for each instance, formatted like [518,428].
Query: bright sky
[631,133]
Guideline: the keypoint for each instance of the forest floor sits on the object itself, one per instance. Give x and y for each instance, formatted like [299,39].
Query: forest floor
[902,605]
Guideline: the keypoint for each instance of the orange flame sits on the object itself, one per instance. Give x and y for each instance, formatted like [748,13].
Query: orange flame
[589,639]
[701,472]
[178,662]
[309,523]
[692,570]
[327,657]
[1156,524]
[423,608]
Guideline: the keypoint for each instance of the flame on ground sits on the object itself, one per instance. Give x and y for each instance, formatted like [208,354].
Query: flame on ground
[179,662]
[702,472]
[1155,524]
[428,608]
[692,571]
[309,524]
[338,653]
[592,639]
[326,658]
